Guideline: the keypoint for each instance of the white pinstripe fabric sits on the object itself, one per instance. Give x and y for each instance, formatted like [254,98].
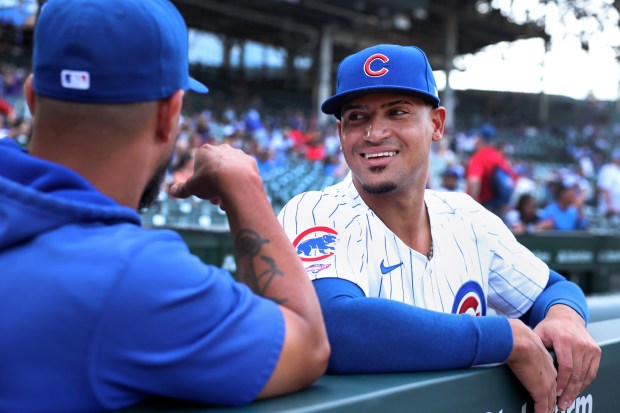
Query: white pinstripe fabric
[470,244]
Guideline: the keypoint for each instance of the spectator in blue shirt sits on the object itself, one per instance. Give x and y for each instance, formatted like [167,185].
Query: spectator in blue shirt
[566,212]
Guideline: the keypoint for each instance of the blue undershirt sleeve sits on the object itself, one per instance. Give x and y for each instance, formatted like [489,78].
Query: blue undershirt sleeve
[558,291]
[376,335]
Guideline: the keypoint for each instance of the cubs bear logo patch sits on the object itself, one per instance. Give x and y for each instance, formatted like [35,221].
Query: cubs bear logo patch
[316,243]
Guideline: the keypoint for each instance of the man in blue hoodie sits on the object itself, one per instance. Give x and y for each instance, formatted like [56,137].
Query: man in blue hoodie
[96,312]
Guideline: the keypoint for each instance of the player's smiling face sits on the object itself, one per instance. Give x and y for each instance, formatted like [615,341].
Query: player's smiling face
[386,140]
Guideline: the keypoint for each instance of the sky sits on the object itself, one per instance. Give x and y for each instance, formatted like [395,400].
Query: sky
[566,69]
[522,66]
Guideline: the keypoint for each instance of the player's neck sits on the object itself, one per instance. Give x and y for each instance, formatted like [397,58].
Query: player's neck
[405,215]
[121,173]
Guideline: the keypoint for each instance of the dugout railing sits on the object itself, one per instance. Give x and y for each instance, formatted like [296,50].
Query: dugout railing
[491,389]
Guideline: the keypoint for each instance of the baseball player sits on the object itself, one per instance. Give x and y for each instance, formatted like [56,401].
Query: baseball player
[405,275]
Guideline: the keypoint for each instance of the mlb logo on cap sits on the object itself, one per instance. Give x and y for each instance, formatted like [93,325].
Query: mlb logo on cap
[73,79]
[383,68]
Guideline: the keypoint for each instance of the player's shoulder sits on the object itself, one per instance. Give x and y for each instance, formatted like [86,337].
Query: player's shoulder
[452,208]
[451,202]
[341,196]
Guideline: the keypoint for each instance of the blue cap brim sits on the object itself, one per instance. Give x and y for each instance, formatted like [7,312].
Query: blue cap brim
[334,104]
[196,86]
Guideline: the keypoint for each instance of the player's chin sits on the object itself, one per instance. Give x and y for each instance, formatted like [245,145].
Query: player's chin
[378,188]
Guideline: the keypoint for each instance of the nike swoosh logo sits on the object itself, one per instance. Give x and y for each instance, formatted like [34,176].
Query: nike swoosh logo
[389,269]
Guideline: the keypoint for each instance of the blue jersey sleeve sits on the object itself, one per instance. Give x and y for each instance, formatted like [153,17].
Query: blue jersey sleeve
[375,335]
[558,291]
[178,328]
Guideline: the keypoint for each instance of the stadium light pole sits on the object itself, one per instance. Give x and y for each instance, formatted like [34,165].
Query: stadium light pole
[543,102]
[326,57]
[617,50]
[449,98]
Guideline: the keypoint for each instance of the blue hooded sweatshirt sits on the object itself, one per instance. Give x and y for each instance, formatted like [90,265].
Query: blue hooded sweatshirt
[98,313]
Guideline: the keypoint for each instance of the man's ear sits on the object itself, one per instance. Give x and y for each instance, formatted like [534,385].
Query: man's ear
[168,113]
[438,118]
[29,93]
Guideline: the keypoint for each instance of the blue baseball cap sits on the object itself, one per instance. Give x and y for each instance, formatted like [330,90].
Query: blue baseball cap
[383,68]
[487,131]
[450,172]
[111,51]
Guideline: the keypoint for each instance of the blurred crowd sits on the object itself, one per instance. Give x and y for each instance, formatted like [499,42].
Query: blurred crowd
[565,180]
[14,116]
[577,189]
[19,13]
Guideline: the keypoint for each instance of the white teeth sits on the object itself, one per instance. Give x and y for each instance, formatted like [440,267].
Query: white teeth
[377,155]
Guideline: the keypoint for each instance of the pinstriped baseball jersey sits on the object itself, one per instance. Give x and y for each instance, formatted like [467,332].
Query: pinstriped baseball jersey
[476,259]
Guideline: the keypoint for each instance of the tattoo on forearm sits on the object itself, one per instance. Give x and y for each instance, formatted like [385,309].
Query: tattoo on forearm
[253,268]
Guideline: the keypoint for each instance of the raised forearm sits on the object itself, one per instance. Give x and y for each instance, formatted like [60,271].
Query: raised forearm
[266,260]
[268,264]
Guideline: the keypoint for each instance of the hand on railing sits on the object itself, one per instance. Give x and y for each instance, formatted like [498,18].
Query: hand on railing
[578,355]
[532,364]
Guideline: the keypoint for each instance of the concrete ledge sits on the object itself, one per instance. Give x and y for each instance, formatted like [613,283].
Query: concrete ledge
[604,307]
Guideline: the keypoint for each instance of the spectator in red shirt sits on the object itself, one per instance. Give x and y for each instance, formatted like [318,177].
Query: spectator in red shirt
[480,169]
[6,110]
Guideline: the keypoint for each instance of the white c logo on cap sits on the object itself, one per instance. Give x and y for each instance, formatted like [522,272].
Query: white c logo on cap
[376,73]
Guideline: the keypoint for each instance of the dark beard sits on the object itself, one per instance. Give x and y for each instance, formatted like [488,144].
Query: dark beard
[150,193]
[379,189]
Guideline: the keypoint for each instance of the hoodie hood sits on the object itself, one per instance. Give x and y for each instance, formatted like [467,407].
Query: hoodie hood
[38,196]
